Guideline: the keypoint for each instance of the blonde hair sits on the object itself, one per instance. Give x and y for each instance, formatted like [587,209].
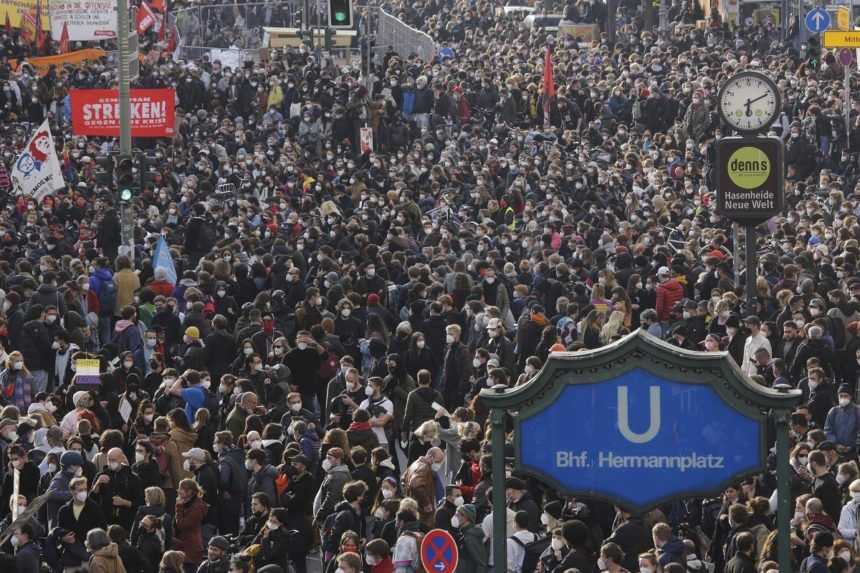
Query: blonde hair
[408,504]
[12,358]
[173,560]
[428,430]
[154,495]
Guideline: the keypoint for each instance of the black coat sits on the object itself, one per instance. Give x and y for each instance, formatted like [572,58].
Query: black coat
[90,517]
[126,485]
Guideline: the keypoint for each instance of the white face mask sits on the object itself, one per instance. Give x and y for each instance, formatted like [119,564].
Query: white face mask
[601,564]
[379,513]
[476,363]
[186,465]
[302,345]
[557,544]
[248,351]
[436,467]
[372,560]
[139,457]
[645,570]
[844,401]
[459,501]
[845,556]
[79,471]
[455,522]
[449,339]
[368,391]
[387,493]
[326,465]
[52,468]
[114,466]
[272,525]
[81,496]
[420,344]
[544,518]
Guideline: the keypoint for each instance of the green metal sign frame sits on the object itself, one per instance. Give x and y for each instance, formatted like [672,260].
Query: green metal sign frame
[640,350]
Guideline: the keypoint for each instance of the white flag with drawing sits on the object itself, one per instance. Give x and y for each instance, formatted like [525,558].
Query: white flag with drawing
[37,170]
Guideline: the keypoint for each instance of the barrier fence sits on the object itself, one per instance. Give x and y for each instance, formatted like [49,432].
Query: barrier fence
[234,32]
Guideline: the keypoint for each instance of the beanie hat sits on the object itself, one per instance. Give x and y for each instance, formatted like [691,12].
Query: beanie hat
[469,511]
[192,332]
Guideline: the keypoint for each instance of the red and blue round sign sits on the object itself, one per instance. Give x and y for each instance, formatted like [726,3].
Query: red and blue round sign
[439,553]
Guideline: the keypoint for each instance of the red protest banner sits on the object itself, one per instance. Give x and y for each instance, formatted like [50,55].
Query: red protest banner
[96,112]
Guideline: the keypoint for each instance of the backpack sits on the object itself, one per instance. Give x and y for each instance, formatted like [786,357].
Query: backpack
[330,366]
[417,565]
[107,298]
[533,552]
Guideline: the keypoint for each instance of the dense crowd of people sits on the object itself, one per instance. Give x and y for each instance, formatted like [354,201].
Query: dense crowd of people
[305,392]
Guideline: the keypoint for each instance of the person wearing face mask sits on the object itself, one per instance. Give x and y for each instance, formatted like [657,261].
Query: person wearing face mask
[193,351]
[342,408]
[360,432]
[29,476]
[27,551]
[118,490]
[232,482]
[423,482]
[473,551]
[194,389]
[448,507]
[456,369]
[337,474]
[348,515]
[188,522]
[848,523]
[64,349]
[60,492]
[377,555]
[824,486]
[843,422]
[381,409]
[77,517]
[17,382]
[304,362]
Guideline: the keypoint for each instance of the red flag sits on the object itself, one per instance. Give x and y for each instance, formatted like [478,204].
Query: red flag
[159,6]
[64,39]
[146,18]
[548,87]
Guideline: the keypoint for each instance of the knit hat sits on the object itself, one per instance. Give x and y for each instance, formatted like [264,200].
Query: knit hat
[469,511]
[554,508]
[192,332]
[373,298]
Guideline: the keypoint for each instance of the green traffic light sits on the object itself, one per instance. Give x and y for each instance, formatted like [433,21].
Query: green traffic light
[340,16]
[125,195]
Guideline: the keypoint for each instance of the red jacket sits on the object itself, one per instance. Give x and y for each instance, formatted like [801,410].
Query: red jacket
[668,294]
[384,566]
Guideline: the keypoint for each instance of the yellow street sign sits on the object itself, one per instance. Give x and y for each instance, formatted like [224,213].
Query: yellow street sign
[838,39]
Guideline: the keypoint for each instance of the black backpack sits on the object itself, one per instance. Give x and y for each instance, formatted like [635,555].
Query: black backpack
[533,552]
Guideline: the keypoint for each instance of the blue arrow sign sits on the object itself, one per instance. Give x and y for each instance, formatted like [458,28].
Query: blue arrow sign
[641,439]
[817,20]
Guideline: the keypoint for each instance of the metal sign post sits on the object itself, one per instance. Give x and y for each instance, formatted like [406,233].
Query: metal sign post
[594,422]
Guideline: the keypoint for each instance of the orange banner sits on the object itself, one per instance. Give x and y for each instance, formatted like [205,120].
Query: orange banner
[43,63]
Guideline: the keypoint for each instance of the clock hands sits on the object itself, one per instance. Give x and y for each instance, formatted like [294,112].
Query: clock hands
[749,103]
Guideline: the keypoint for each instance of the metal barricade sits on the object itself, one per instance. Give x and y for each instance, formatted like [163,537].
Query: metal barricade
[406,41]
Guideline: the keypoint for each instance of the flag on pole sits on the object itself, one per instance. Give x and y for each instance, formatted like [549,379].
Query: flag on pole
[40,33]
[8,24]
[548,87]
[64,39]
[162,31]
[37,171]
[162,259]
[146,18]
[28,27]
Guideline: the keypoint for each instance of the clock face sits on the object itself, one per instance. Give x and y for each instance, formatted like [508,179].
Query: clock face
[749,102]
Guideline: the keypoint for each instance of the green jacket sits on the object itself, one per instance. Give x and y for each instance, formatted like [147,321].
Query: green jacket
[236,421]
[473,552]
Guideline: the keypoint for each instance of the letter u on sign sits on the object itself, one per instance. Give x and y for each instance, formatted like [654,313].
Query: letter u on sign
[624,418]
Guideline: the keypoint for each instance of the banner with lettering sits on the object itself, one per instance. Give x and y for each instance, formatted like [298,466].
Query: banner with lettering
[87,20]
[96,112]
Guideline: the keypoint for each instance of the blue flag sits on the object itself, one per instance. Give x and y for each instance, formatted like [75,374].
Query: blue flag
[161,259]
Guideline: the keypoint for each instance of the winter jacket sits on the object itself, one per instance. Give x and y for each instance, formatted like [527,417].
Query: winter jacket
[669,293]
[473,551]
[187,529]
[263,481]
[106,560]
[127,283]
[330,492]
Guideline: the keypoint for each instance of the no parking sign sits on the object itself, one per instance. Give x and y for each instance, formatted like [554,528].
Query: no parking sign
[439,553]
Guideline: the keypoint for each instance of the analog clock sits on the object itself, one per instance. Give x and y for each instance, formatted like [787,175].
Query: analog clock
[749,102]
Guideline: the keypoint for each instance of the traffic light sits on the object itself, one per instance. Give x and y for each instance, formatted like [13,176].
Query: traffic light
[340,13]
[125,182]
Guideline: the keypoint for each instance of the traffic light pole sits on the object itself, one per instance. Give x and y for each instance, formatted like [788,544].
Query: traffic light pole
[127,225]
